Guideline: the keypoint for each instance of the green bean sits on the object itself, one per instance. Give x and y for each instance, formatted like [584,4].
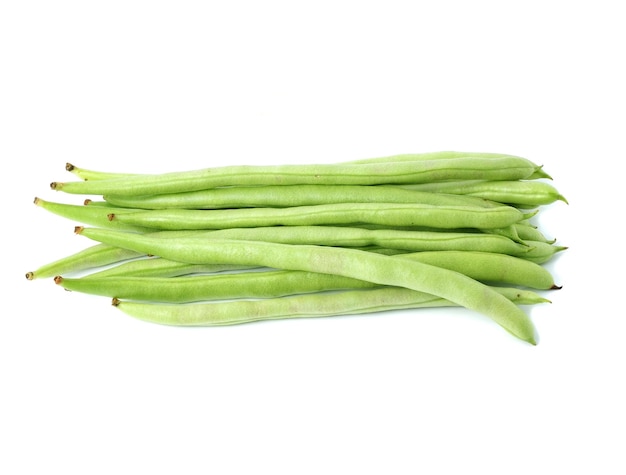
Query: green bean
[343,236]
[94,256]
[274,283]
[301,306]
[503,168]
[520,193]
[485,267]
[86,174]
[283,196]
[379,269]
[91,215]
[444,217]
[489,267]
[159,267]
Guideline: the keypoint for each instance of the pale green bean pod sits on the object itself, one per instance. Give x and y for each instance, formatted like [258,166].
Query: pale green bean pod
[349,302]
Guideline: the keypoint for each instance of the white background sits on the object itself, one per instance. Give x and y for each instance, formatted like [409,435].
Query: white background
[163,86]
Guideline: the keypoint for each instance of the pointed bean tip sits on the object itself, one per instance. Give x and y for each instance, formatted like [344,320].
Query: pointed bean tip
[556,287]
[563,199]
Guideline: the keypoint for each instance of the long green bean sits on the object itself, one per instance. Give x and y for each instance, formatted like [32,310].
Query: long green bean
[443,217]
[485,267]
[301,306]
[502,168]
[282,196]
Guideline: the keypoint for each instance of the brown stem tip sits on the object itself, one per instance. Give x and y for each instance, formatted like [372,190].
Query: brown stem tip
[55,185]
[111,216]
[58,279]
[30,275]
[37,201]
[556,287]
[115,302]
[69,167]
[78,229]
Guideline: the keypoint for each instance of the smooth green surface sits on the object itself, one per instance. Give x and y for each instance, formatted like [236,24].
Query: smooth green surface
[300,306]
[423,171]
[442,217]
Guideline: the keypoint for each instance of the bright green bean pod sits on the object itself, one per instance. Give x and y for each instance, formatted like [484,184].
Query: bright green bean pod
[424,171]
[86,174]
[350,302]
[490,268]
[379,269]
[283,196]
[522,193]
[340,236]
[91,215]
[273,283]
[89,258]
[443,217]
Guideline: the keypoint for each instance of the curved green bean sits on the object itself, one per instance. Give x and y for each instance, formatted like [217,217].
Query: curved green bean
[503,168]
[485,267]
[379,269]
[89,258]
[443,217]
[301,306]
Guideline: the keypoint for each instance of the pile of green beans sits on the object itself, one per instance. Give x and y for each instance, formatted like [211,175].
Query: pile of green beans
[235,244]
